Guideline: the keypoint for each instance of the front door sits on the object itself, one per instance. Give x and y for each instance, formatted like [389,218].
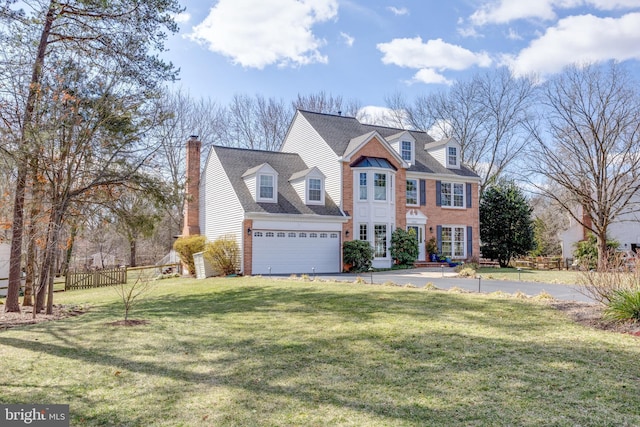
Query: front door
[419,230]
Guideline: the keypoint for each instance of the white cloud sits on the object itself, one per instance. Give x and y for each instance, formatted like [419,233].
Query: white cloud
[430,76]
[579,39]
[347,39]
[257,33]
[182,18]
[513,34]
[434,54]
[504,11]
[398,11]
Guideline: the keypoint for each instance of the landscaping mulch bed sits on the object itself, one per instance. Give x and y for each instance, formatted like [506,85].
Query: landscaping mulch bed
[25,317]
[590,314]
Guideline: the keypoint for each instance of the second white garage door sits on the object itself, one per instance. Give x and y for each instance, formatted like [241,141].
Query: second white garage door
[287,252]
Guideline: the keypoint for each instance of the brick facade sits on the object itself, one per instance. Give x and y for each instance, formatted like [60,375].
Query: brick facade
[192,203]
[436,215]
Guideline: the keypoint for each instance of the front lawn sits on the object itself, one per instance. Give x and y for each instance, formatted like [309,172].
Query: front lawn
[260,352]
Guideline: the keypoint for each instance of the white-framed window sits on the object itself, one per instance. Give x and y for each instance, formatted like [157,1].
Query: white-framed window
[257,234]
[452,156]
[380,186]
[334,235]
[269,234]
[364,235]
[452,194]
[412,192]
[313,235]
[363,186]
[302,235]
[323,235]
[281,234]
[266,187]
[380,240]
[314,190]
[453,241]
[406,150]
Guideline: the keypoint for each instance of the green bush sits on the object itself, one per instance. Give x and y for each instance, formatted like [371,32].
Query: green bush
[357,253]
[186,247]
[404,246]
[586,251]
[223,255]
[625,305]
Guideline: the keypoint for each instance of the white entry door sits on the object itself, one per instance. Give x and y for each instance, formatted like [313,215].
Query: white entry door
[419,230]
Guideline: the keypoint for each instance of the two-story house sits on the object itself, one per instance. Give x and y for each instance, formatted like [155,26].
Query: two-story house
[334,179]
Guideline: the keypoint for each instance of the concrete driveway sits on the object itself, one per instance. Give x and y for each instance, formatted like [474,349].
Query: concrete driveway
[445,278]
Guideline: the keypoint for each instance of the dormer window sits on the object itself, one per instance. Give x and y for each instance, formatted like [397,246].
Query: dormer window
[266,187]
[406,150]
[452,156]
[309,184]
[262,182]
[314,190]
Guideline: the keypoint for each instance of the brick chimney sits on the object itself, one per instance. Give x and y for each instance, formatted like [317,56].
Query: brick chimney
[192,202]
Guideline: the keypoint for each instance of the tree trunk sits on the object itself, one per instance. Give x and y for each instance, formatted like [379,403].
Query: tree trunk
[46,273]
[603,251]
[132,248]
[12,304]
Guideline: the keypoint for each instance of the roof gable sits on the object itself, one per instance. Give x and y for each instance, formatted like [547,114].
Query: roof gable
[236,162]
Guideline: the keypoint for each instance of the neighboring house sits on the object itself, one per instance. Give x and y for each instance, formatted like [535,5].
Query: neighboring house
[335,179]
[625,230]
[5,252]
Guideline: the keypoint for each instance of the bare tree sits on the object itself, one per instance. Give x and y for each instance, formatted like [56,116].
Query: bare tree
[323,102]
[486,115]
[117,36]
[588,144]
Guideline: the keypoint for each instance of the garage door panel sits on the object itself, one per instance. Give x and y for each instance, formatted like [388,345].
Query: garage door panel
[288,251]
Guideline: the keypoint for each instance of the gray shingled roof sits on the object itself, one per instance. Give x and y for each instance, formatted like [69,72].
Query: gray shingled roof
[339,131]
[237,161]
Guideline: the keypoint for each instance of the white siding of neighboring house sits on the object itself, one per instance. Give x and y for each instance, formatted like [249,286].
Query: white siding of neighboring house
[305,141]
[220,210]
[625,229]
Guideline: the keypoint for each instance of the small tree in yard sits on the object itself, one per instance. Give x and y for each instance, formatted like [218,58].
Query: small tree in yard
[404,246]
[357,253]
[186,247]
[130,292]
[506,229]
[223,255]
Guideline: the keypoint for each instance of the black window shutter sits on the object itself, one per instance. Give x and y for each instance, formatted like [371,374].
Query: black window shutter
[423,192]
[468,195]
[438,193]
[439,237]
[469,241]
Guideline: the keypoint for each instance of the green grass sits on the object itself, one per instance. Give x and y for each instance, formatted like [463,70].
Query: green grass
[259,352]
[562,277]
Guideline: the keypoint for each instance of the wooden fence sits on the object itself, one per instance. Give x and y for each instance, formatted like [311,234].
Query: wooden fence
[95,279]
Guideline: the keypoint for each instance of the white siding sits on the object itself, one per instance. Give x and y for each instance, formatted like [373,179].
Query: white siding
[439,155]
[5,250]
[305,141]
[250,182]
[220,210]
[300,187]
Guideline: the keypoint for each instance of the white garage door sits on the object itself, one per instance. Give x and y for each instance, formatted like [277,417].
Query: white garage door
[299,252]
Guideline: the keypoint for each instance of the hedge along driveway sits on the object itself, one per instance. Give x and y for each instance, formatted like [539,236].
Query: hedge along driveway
[253,351]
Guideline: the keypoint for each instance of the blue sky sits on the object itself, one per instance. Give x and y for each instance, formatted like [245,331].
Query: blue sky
[370,49]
